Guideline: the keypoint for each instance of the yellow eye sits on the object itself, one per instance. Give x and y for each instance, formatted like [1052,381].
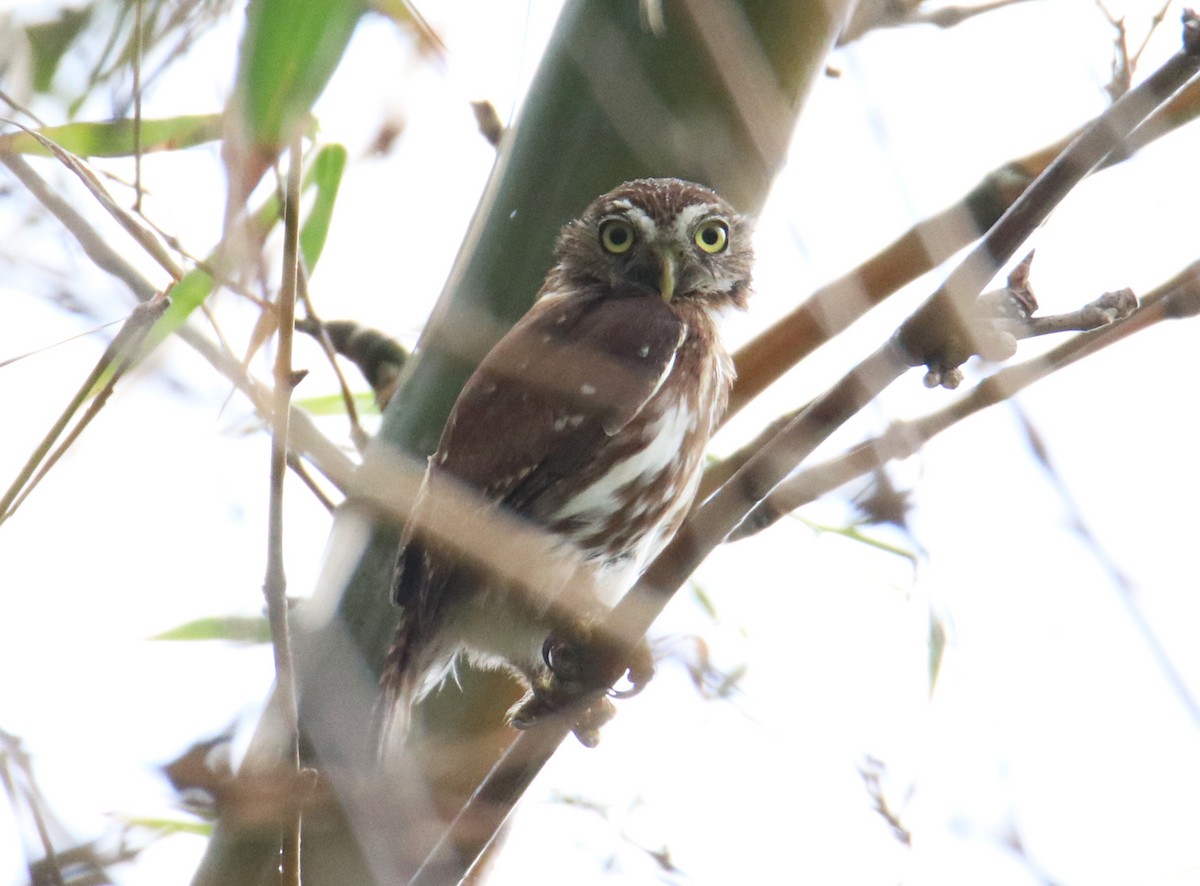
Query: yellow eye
[713,236]
[616,236]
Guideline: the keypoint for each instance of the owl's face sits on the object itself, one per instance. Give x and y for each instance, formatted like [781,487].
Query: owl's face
[666,237]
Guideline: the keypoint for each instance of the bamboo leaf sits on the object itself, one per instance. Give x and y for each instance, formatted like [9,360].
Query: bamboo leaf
[237,628]
[190,292]
[167,826]
[326,174]
[115,138]
[288,54]
[50,41]
[937,648]
[335,404]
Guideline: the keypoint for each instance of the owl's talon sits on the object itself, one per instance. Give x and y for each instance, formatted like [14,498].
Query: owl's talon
[634,689]
[564,660]
[587,727]
[641,668]
[550,695]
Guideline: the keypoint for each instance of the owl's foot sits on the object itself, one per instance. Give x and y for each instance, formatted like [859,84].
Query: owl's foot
[580,663]
[574,672]
[538,705]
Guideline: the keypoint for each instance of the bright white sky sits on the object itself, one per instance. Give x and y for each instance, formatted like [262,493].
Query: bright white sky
[1051,721]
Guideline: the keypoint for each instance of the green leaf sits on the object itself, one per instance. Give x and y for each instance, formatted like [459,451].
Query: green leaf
[853,533]
[335,404]
[326,173]
[937,648]
[289,51]
[116,138]
[705,601]
[186,295]
[238,628]
[50,41]
[166,826]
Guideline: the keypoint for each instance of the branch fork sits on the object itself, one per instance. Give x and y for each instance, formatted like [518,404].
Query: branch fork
[991,325]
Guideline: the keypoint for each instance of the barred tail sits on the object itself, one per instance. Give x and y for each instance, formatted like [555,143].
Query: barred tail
[414,668]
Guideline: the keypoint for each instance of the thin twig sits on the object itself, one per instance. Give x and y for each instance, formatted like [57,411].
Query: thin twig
[144,237]
[358,436]
[836,305]
[304,436]
[28,795]
[297,467]
[1124,587]
[111,365]
[136,65]
[275,584]
[937,334]
[1177,298]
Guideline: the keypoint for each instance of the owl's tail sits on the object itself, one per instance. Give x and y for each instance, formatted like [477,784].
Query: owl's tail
[400,685]
[412,670]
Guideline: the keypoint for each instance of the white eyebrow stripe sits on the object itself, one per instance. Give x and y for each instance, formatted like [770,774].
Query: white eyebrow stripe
[645,224]
[688,217]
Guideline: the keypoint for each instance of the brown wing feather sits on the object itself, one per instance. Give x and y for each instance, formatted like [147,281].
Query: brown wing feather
[574,371]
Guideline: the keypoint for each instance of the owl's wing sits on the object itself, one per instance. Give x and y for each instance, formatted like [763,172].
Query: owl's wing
[572,373]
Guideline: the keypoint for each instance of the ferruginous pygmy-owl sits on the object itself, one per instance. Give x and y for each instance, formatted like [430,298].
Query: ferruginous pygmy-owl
[589,420]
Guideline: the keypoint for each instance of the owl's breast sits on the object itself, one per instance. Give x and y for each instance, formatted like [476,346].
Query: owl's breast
[635,494]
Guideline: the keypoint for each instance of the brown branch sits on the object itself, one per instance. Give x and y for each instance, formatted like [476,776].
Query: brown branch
[1178,298]
[834,307]
[939,334]
[275,582]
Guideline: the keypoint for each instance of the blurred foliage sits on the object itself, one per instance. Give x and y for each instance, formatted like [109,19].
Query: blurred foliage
[335,404]
[50,41]
[324,174]
[118,138]
[164,827]
[288,54]
[239,629]
[104,39]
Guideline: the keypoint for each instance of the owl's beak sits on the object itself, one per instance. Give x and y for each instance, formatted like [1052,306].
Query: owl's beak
[667,285]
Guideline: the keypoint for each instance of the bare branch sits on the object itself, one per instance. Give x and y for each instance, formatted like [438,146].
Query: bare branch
[1176,299]
[275,583]
[305,439]
[117,358]
[835,306]
[939,334]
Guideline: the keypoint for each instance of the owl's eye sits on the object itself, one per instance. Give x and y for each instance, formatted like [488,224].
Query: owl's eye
[616,236]
[713,236]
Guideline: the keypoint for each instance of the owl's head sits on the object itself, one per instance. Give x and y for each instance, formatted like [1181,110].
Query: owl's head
[661,236]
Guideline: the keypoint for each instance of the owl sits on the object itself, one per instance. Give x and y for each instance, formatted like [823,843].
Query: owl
[588,421]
